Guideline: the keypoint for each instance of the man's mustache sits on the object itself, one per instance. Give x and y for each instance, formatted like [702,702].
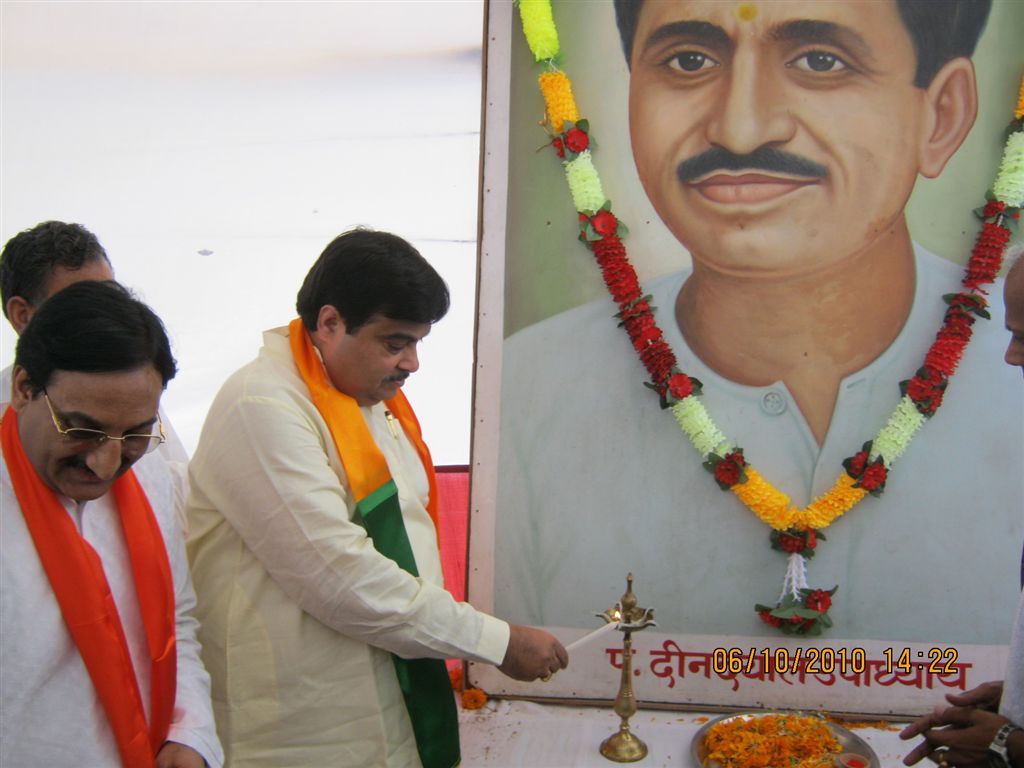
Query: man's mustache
[397,377]
[77,462]
[761,159]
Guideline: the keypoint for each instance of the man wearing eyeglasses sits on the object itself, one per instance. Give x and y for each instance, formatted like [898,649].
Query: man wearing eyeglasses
[37,263]
[99,659]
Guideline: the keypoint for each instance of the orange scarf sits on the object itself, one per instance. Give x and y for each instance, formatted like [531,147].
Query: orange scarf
[76,575]
[425,686]
[365,465]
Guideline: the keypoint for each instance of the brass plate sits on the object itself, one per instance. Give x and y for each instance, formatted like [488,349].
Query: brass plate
[848,740]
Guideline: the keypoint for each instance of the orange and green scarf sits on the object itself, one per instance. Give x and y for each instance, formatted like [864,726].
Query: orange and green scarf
[425,685]
[80,586]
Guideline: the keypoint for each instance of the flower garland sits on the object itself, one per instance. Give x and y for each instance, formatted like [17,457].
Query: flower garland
[800,609]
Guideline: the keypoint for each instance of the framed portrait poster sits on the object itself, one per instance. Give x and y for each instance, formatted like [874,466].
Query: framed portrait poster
[797,182]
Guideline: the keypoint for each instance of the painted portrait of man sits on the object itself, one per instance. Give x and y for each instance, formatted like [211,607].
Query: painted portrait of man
[778,145]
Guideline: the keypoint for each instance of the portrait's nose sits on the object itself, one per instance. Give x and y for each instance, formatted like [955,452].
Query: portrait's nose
[1015,353]
[751,110]
[105,459]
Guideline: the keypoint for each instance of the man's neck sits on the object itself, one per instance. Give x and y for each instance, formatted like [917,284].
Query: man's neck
[808,331]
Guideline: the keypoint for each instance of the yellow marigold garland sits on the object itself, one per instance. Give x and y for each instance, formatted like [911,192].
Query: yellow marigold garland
[559,102]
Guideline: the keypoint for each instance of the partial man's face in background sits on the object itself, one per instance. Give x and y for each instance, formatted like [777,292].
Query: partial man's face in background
[21,311]
[819,94]
[1013,295]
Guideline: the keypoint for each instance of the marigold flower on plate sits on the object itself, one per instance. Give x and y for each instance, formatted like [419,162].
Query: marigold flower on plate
[771,741]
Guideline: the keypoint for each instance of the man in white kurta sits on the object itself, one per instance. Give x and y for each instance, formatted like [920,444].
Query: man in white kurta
[300,613]
[52,713]
[293,621]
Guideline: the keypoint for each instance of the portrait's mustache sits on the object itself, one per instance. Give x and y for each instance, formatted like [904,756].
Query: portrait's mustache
[761,159]
[398,377]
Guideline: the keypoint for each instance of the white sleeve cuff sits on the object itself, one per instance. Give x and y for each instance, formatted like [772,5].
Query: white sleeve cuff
[494,637]
[199,741]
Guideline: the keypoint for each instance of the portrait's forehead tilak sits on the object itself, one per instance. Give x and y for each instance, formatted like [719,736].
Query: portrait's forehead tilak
[752,121]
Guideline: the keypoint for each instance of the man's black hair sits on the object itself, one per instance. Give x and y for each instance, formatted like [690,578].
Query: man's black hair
[30,258]
[93,327]
[363,273]
[941,30]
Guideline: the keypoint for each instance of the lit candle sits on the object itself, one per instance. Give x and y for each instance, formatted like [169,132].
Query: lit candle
[587,638]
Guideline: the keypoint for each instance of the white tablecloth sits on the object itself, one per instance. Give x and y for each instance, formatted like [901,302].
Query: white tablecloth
[507,734]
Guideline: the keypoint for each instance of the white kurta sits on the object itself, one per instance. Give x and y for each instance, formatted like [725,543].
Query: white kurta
[1012,703]
[49,712]
[298,610]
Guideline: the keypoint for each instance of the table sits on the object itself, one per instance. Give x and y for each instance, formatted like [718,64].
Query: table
[508,734]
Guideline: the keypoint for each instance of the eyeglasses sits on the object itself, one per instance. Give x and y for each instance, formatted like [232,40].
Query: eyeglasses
[133,444]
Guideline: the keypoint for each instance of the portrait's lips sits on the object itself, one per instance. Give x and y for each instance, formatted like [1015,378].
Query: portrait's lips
[748,187]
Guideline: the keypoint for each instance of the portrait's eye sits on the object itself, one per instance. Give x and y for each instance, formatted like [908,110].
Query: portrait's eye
[819,61]
[691,61]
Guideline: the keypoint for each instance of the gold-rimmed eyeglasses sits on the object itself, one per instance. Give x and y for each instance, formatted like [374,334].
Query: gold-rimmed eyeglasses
[132,444]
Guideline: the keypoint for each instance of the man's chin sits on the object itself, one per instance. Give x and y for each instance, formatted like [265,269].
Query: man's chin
[85,491]
[78,486]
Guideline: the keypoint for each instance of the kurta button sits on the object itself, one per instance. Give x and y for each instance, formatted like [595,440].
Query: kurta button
[773,403]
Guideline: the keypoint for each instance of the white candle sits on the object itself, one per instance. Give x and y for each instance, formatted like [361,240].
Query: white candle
[587,638]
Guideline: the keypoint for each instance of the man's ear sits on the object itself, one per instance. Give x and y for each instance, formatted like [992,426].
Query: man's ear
[19,312]
[951,102]
[329,322]
[21,388]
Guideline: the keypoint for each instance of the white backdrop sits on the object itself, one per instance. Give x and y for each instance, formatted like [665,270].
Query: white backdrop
[215,148]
